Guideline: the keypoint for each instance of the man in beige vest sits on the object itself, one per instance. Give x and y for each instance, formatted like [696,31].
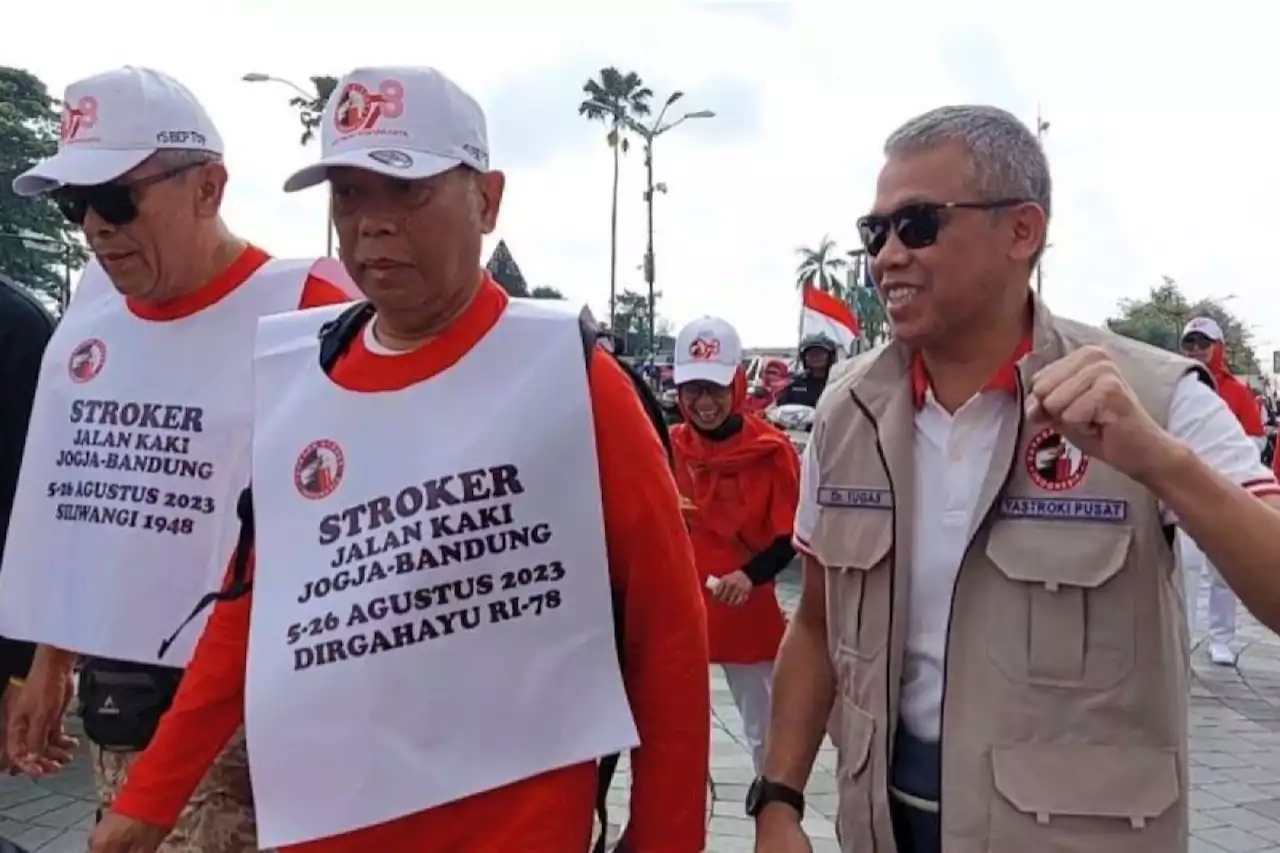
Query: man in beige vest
[991,627]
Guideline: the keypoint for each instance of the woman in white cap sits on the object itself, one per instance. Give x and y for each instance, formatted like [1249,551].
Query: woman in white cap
[739,480]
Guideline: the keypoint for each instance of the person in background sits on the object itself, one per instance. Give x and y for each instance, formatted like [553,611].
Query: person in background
[818,355]
[739,480]
[25,329]
[484,738]
[1203,340]
[139,439]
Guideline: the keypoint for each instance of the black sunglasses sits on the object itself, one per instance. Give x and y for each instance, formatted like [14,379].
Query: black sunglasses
[917,225]
[114,202]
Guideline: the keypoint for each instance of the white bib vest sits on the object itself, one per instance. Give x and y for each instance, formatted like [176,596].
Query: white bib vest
[139,445]
[431,612]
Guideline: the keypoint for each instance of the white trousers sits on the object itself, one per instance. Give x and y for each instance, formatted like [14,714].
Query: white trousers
[751,684]
[1222,600]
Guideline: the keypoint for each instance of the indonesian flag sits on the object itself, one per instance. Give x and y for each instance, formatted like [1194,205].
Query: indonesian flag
[824,314]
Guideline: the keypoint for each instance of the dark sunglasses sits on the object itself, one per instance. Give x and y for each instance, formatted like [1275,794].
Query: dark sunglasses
[115,202]
[917,225]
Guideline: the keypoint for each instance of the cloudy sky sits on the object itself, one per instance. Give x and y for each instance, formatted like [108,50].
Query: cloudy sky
[1159,120]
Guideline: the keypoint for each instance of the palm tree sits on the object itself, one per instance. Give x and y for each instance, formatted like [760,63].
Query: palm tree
[616,99]
[821,268]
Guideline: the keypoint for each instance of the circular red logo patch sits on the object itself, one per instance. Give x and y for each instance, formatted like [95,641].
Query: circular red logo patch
[87,360]
[319,469]
[1053,463]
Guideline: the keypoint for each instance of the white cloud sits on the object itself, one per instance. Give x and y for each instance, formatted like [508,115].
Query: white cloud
[1160,139]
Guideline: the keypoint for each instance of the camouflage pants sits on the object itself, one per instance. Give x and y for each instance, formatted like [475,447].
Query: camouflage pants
[219,816]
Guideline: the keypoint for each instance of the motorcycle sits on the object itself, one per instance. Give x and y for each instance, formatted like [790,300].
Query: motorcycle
[795,420]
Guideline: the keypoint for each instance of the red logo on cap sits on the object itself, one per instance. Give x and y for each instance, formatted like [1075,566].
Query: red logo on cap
[704,349]
[360,110]
[82,117]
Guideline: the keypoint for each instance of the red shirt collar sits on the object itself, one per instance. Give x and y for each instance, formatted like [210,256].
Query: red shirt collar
[1005,379]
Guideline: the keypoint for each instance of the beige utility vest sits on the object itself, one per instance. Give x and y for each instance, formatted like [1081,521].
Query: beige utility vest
[1065,709]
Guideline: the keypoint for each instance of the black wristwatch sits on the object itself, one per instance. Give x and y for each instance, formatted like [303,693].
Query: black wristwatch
[762,792]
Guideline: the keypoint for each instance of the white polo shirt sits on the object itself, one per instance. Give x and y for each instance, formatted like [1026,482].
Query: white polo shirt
[953,453]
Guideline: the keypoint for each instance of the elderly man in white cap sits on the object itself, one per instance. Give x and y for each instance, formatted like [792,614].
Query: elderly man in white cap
[139,439]
[432,666]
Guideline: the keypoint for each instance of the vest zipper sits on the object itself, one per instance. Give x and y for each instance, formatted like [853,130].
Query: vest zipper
[946,664]
[893,559]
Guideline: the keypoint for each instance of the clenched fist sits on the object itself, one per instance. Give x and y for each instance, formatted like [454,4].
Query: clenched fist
[1083,396]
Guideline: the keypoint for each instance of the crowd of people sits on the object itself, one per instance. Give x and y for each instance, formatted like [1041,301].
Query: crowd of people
[313,605]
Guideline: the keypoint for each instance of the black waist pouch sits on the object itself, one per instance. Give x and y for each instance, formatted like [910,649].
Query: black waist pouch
[121,703]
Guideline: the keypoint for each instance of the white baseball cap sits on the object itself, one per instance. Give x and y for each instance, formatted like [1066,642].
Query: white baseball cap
[1206,326]
[402,122]
[112,122]
[707,350]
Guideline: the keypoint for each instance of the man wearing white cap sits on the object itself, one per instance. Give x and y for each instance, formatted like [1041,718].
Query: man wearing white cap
[1203,340]
[429,662]
[139,438]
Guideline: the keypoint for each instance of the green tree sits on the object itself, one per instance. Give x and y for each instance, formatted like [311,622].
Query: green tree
[632,322]
[38,247]
[310,110]
[544,292]
[502,266]
[617,100]
[1158,320]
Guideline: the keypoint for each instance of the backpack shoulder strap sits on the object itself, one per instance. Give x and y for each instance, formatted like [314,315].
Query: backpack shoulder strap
[337,334]
[240,583]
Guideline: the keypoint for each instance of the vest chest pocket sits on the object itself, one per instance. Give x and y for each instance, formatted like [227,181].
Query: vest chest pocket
[1062,610]
[857,552]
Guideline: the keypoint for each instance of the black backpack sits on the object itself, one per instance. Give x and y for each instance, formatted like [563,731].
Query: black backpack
[335,338]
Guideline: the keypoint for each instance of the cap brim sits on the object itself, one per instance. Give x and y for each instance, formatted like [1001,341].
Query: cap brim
[79,167]
[704,371]
[394,163]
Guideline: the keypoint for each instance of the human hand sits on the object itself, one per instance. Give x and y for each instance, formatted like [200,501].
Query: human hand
[733,589]
[35,741]
[116,833]
[1084,397]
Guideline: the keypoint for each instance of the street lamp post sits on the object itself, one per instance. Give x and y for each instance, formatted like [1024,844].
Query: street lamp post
[649,134]
[1042,127]
[258,77]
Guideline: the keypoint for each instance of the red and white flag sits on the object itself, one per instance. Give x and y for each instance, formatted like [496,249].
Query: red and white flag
[824,314]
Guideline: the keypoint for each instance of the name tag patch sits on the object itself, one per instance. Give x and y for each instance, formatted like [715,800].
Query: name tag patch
[848,496]
[1065,509]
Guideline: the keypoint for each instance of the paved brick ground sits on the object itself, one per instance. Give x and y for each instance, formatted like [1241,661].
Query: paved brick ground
[1235,768]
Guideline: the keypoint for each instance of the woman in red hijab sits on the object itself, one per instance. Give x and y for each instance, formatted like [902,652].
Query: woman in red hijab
[739,483]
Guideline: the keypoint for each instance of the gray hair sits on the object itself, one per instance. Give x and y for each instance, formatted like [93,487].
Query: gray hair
[1005,158]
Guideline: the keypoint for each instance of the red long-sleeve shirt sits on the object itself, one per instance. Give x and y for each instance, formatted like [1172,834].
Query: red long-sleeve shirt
[651,567]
